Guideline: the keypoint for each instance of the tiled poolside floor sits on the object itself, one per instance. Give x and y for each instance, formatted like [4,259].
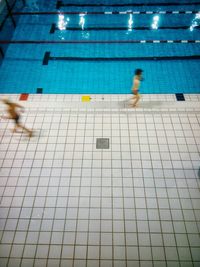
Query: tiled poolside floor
[65,203]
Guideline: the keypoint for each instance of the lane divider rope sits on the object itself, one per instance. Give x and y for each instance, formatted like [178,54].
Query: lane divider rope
[105,13]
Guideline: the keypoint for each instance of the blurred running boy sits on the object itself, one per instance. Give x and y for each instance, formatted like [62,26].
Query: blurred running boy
[135,88]
[14,114]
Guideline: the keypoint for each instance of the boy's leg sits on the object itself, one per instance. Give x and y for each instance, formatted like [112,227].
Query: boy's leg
[131,100]
[26,129]
[16,121]
[137,97]
[15,128]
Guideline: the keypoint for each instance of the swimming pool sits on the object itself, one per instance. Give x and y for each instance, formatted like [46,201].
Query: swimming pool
[95,48]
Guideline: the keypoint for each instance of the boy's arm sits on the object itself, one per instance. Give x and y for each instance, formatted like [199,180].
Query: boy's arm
[135,84]
[18,106]
[5,117]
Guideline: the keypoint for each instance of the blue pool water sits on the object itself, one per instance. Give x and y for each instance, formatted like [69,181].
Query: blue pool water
[94,67]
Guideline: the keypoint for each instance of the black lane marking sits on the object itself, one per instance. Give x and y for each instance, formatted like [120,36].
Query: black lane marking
[39,90]
[61,4]
[55,28]
[1,52]
[47,57]
[58,4]
[180,97]
[95,41]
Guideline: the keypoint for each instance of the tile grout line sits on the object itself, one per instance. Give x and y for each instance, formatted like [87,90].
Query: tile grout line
[35,197]
[50,241]
[189,246]
[63,237]
[136,222]
[174,233]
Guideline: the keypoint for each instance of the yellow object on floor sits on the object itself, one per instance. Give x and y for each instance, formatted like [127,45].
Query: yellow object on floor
[85,98]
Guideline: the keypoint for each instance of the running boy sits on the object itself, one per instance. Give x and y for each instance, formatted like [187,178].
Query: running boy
[15,115]
[135,88]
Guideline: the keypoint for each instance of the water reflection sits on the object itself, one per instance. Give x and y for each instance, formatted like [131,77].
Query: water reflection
[195,22]
[130,23]
[62,23]
[154,24]
[82,20]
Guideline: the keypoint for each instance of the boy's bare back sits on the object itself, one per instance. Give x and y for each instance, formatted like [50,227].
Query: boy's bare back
[12,109]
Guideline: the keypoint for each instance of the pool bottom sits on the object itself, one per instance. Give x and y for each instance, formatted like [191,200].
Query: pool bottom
[71,77]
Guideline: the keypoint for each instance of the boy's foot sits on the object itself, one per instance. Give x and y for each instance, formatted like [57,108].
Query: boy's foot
[131,105]
[135,106]
[14,131]
[30,134]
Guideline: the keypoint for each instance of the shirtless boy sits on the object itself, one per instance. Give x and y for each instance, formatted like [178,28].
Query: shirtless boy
[15,115]
[136,84]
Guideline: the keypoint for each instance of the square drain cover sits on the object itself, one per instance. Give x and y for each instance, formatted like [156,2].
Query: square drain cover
[102,143]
